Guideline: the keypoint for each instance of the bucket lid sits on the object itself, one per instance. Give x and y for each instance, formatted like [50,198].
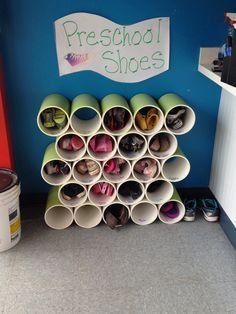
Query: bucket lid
[8,179]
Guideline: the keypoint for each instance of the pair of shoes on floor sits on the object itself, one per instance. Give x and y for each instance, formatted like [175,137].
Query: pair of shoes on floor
[114,166]
[209,207]
[130,189]
[132,143]
[146,166]
[116,216]
[103,188]
[160,143]
[72,190]
[147,121]
[101,143]
[175,118]
[56,167]
[170,209]
[116,119]
[53,118]
[87,166]
[71,143]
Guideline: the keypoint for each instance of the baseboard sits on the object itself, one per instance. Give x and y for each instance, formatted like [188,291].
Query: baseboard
[228,227]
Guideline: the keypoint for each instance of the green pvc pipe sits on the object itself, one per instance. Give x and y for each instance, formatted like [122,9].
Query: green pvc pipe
[85,101]
[140,101]
[112,101]
[54,101]
[169,101]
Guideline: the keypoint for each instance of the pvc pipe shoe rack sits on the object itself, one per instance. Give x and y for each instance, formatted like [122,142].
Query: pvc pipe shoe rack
[114,153]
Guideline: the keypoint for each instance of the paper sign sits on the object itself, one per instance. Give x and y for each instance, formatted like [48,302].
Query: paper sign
[130,53]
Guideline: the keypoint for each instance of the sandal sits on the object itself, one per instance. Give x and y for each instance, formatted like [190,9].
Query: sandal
[59,118]
[65,143]
[151,169]
[116,216]
[155,144]
[164,143]
[47,118]
[119,118]
[76,142]
[175,114]
[110,166]
[152,118]
[141,121]
[177,124]
[72,190]
[92,166]
[81,167]
[101,143]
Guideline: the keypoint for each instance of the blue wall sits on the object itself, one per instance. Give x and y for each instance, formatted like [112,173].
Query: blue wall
[32,73]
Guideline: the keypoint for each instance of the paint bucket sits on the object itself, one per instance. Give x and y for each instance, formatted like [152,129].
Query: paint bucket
[10,226]
[57,215]
[181,209]
[85,116]
[140,105]
[110,102]
[54,101]
[169,102]
[143,213]
[88,215]
[176,167]
[166,141]
[51,155]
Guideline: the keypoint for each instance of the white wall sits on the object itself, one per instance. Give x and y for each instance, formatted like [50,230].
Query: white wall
[223,171]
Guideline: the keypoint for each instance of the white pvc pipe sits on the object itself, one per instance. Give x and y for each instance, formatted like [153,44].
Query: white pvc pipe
[188,120]
[143,213]
[74,201]
[162,193]
[115,202]
[176,167]
[101,199]
[70,155]
[86,178]
[130,200]
[82,126]
[101,156]
[87,215]
[164,218]
[167,153]
[132,155]
[120,177]
[58,217]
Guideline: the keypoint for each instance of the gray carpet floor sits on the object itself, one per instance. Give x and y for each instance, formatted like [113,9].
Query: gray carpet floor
[182,268]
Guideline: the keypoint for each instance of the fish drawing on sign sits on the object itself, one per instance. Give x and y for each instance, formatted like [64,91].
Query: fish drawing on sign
[76,59]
